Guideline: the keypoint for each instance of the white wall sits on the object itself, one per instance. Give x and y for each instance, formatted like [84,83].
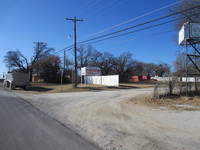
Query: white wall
[112,80]
[190,79]
[162,78]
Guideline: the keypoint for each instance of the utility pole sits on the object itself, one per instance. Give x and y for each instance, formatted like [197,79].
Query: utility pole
[74,84]
[64,65]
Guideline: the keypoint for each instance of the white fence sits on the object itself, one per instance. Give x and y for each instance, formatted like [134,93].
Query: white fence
[165,79]
[112,80]
[1,76]
[162,78]
[190,79]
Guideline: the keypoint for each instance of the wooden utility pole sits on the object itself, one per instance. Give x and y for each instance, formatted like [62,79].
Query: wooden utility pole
[74,84]
[64,65]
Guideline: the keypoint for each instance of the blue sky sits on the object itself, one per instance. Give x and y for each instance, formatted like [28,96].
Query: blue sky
[26,21]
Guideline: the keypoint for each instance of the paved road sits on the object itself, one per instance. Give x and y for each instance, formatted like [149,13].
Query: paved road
[23,127]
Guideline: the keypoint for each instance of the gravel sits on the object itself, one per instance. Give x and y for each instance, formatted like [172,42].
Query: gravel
[109,120]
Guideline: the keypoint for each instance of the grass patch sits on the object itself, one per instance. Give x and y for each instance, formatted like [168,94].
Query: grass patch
[57,88]
[171,102]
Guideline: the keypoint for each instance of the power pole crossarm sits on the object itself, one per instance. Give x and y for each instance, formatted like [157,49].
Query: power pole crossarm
[75,55]
[74,19]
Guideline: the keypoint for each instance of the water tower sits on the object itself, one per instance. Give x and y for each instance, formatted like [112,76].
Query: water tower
[189,35]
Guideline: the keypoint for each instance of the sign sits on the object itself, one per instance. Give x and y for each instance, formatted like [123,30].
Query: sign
[189,31]
[194,30]
[90,71]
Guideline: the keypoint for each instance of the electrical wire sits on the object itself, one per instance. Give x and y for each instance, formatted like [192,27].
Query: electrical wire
[120,3]
[132,19]
[160,18]
[152,35]
[82,7]
[71,46]
[105,6]
[88,7]
[67,48]
[133,31]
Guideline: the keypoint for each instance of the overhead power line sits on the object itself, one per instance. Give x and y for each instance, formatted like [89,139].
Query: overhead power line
[84,6]
[134,31]
[132,19]
[88,7]
[138,25]
[151,35]
[93,13]
[66,48]
[118,4]
[71,46]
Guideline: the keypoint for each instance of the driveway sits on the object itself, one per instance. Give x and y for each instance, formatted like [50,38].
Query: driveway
[114,120]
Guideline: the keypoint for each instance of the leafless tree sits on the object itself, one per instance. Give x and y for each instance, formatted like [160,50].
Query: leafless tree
[179,64]
[149,69]
[162,69]
[17,61]
[105,61]
[122,64]
[85,55]
[50,67]
[192,15]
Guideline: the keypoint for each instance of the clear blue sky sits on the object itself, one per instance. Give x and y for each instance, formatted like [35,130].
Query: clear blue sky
[26,21]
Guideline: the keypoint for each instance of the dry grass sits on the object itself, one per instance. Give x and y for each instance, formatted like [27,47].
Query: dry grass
[175,103]
[57,88]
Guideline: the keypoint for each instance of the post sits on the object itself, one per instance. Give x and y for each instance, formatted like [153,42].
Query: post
[74,84]
[64,66]
[186,67]
[61,77]
[195,76]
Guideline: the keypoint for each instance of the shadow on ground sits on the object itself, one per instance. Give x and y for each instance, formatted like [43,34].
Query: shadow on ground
[37,89]
[123,87]
[109,87]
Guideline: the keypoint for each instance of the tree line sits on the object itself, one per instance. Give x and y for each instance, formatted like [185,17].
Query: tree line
[49,66]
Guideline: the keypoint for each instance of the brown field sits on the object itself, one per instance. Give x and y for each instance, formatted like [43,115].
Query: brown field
[57,88]
[176,103]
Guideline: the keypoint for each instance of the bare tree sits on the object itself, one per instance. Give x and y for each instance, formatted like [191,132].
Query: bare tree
[104,61]
[162,69]
[179,64]
[85,54]
[17,61]
[149,69]
[122,64]
[50,66]
[192,15]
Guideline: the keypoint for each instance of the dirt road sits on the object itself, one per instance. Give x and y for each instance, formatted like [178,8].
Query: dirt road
[110,120]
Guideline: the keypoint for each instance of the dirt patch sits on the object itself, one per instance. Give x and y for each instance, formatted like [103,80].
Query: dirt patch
[57,88]
[174,102]
[112,120]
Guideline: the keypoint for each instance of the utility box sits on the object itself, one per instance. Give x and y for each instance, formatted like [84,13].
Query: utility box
[189,31]
[17,79]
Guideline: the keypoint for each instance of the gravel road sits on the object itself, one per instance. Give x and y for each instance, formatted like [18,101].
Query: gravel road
[111,121]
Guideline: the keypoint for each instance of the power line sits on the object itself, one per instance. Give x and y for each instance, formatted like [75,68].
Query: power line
[80,9]
[121,2]
[131,19]
[152,35]
[71,46]
[66,48]
[88,7]
[100,9]
[135,31]
[138,25]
